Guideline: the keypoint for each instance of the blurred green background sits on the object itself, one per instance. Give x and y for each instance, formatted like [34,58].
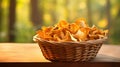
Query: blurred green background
[19,19]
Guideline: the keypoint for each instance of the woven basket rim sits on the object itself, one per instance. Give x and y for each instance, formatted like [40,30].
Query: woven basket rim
[89,42]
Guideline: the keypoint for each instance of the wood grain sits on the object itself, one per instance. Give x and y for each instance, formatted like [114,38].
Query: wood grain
[30,52]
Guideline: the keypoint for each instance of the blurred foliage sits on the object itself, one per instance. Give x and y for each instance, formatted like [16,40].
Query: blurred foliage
[24,29]
[56,10]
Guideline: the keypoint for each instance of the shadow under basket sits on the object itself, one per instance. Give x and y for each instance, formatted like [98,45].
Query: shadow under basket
[70,51]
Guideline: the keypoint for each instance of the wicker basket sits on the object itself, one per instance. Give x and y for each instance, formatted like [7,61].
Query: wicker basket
[70,51]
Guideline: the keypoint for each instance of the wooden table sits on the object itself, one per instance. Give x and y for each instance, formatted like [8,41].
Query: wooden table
[30,52]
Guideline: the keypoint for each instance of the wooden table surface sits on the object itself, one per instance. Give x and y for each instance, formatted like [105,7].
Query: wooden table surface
[30,52]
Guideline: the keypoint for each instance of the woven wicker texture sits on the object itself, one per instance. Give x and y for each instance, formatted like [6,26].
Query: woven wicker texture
[70,51]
